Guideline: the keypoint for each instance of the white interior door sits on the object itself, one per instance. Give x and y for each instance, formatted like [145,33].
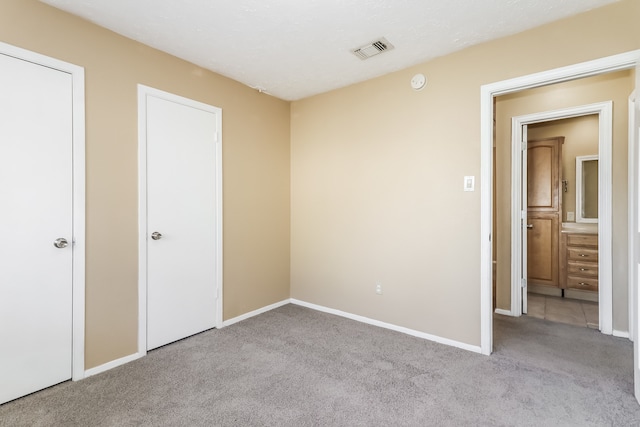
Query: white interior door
[181,218]
[36,190]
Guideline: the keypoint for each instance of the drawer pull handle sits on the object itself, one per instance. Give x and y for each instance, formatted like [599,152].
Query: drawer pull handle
[583,284]
[584,269]
[583,255]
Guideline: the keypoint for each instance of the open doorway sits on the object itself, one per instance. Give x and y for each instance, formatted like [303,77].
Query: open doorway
[591,95]
[560,243]
[488,93]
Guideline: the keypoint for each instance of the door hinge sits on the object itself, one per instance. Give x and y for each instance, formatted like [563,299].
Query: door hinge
[524,145]
[523,282]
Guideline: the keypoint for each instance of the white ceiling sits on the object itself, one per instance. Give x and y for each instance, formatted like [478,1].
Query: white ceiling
[297,48]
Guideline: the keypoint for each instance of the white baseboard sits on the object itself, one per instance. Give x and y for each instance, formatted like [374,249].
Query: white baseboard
[255,312]
[446,341]
[621,334]
[112,364]
[503,312]
[476,349]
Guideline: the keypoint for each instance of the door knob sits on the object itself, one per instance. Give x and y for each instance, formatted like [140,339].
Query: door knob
[529,226]
[156,236]
[60,243]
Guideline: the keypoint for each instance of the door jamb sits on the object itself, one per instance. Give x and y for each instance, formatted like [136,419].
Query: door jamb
[78,222]
[604,110]
[608,64]
[632,215]
[143,91]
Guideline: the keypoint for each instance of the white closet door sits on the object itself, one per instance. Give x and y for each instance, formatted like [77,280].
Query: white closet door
[36,192]
[181,207]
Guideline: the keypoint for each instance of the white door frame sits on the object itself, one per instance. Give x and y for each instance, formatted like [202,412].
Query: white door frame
[633,215]
[487,93]
[143,91]
[604,110]
[78,223]
[634,229]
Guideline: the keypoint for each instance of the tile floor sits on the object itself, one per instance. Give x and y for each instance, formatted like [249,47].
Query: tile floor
[563,310]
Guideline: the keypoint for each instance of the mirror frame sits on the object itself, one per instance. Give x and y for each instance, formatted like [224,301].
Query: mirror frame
[579,161]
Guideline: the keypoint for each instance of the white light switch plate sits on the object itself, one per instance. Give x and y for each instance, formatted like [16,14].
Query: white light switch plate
[469,183]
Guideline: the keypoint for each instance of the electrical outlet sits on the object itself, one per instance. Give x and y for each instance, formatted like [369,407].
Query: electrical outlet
[378,288]
[571,216]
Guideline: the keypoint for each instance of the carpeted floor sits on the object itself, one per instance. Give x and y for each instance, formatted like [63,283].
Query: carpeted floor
[297,367]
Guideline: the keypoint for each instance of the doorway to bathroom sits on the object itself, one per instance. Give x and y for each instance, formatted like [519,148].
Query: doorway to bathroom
[558,256]
[562,266]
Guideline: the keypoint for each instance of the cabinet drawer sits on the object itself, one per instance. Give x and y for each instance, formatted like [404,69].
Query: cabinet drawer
[590,240]
[582,283]
[582,269]
[582,254]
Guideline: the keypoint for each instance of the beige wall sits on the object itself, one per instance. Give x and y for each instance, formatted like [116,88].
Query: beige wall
[580,139]
[377,177]
[615,87]
[376,174]
[255,167]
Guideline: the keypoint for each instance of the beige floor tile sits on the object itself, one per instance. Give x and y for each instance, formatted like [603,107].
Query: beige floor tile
[535,306]
[535,297]
[563,310]
[558,306]
[591,314]
[566,318]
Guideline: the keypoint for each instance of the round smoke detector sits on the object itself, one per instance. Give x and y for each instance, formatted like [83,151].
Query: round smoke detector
[418,82]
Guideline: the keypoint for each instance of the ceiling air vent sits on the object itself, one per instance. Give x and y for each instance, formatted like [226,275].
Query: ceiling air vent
[372,49]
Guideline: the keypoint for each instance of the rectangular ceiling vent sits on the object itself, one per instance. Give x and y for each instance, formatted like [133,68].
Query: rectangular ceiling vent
[372,49]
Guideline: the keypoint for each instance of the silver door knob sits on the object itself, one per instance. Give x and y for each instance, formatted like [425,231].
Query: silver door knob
[60,243]
[529,226]
[156,236]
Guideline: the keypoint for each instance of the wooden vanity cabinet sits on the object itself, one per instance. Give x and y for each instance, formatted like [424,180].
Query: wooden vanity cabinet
[579,261]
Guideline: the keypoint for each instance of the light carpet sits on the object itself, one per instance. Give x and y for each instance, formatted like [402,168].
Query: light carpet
[294,366]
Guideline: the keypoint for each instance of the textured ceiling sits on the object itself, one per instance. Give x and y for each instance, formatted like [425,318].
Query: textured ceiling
[296,48]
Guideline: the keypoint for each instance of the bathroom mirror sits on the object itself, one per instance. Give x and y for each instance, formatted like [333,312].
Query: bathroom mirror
[587,188]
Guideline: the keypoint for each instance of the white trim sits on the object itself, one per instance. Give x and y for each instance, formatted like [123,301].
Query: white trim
[255,312]
[79,231]
[78,131]
[635,199]
[143,91]
[412,332]
[518,195]
[219,223]
[486,220]
[113,364]
[604,110]
[123,360]
[621,334]
[142,223]
[446,341]
[579,190]
[632,215]
[503,312]
[487,92]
